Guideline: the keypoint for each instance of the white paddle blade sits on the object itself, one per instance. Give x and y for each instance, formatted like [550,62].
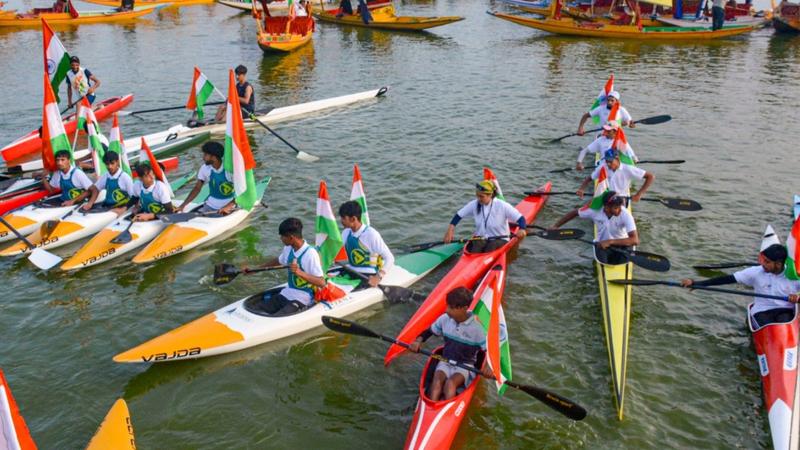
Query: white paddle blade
[307,157]
[43,259]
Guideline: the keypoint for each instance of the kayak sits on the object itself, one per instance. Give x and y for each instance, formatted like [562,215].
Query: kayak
[243,324]
[436,423]
[385,18]
[100,249]
[76,226]
[32,143]
[184,236]
[14,433]
[466,273]
[116,430]
[571,27]
[776,346]
[34,19]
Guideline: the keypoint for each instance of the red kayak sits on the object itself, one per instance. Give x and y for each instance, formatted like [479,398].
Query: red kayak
[13,431]
[32,142]
[466,273]
[436,424]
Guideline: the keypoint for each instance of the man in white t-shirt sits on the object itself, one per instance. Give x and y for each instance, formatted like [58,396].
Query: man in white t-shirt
[492,216]
[151,196]
[603,143]
[221,196]
[767,278]
[74,184]
[117,184]
[603,111]
[366,251]
[619,176]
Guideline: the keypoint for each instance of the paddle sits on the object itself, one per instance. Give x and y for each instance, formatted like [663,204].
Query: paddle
[680,204]
[184,216]
[301,155]
[40,258]
[225,273]
[703,288]
[49,226]
[125,236]
[70,105]
[645,260]
[646,161]
[655,120]
[395,294]
[561,404]
[553,235]
[725,265]
[168,108]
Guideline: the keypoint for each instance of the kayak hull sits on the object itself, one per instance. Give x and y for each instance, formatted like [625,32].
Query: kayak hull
[13,429]
[116,430]
[20,201]
[76,227]
[28,219]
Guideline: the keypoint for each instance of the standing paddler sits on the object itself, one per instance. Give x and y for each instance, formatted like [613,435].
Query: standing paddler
[81,81]
[117,183]
[603,142]
[491,215]
[619,176]
[603,111]
[366,251]
[221,198]
[74,184]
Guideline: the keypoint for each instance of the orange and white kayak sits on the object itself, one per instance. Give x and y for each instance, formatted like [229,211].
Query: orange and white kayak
[14,432]
[116,430]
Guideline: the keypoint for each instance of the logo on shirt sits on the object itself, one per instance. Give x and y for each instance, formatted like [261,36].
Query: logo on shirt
[74,192]
[118,196]
[226,188]
[155,208]
[359,256]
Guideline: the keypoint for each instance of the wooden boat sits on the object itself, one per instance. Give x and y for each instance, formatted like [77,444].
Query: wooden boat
[572,27]
[787,18]
[541,8]
[34,18]
[385,19]
[282,5]
[281,34]
[753,21]
[116,3]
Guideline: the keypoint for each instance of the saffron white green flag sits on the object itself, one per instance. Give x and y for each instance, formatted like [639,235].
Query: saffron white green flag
[56,58]
[116,144]
[489,312]
[201,91]
[489,175]
[54,138]
[88,122]
[238,159]
[602,97]
[357,193]
[600,188]
[328,237]
[792,271]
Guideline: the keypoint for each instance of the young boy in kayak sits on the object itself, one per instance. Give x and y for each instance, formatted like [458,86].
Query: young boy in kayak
[117,183]
[150,195]
[615,225]
[247,96]
[603,111]
[80,80]
[74,184]
[603,143]
[619,176]
[463,339]
[366,251]
[305,272]
[221,197]
[491,219]
[767,278]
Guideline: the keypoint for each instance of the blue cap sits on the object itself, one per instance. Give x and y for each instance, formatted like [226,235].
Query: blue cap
[611,154]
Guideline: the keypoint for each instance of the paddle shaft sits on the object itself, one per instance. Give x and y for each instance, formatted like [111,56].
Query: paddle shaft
[255,119]
[17,233]
[248,271]
[70,105]
[724,291]
[169,108]
[646,121]
[646,161]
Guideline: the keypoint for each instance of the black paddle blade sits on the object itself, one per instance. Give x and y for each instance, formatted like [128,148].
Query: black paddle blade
[655,120]
[47,228]
[649,261]
[177,217]
[561,170]
[662,161]
[398,294]
[225,273]
[348,327]
[561,404]
[122,238]
[635,282]
[561,234]
[726,265]
[681,204]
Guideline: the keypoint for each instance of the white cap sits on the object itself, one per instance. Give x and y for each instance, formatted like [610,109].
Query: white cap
[614,94]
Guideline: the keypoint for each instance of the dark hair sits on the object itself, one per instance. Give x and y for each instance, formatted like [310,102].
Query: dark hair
[75,59]
[350,208]
[775,253]
[240,69]
[291,227]
[62,154]
[214,148]
[110,157]
[459,297]
[611,198]
[143,169]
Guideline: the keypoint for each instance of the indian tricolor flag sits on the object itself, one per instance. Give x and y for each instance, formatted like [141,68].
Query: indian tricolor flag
[793,246]
[357,193]
[602,97]
[147,155]
[56,58]
[88,121]
[201,91]
[489,312]
[489,175]
[238,159]
[117,144]
[621,145]
[600,188]
[54,138]
[328,237]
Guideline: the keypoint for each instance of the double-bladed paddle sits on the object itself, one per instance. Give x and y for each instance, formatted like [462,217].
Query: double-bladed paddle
[40,257]
[561,404]
[655,120]
[168,108]
[703,288]
[645,260]
[680,204]
[225,273]
[725,265]
[70,105]
[553,235]
[49,226]
[395,294]
[125,236]
[301,155]
[645,161]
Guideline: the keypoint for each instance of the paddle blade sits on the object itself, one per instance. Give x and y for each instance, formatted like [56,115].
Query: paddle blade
[43,259]
[662,161]
[398,294]
[561,170]
[47,228]
[561,234]
[123,238]
[177,217]
[681,204]
[347,327]
[561,404]
[655,120]
[726,265]
[225,273]
[303,156]
[649,261]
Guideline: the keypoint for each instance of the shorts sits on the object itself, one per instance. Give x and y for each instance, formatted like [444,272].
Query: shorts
[451,370]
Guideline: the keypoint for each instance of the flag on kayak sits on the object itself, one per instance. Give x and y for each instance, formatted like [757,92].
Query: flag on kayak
[147,155]
[117,144]
[489,175]
[201,91]
[88,122]
[238,160]
[54,138]
[792,270]
[328,237]
[602,98]
[613,115]
[56,58]
[620,143]
[489,313]
[357,193]
[13,429]
[600,188]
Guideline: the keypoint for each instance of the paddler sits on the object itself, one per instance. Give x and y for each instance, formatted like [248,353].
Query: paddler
[766,278]
[602,111]
[603,143]
[463,339]
[221,199]
[150,195]
[619,176]
[615,225]
[366,251]
[74,184]
[247,96]
[492,216]
[118,185]
[305,272]
[80,80]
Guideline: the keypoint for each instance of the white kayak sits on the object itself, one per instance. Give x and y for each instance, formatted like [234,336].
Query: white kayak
[244,323]
[29,218]
[13,187]
[184,236]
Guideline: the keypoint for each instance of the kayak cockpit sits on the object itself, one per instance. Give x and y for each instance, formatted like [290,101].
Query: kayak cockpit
[194,122]
[430,370]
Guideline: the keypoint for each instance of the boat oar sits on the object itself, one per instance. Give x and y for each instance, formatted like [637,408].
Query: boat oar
[301,155]
[725,265]
[395,294]
[553,235]
[47,228]
[70,105]
[40,257]
[125,236]
[225,273]
[168,108]
[655,120]
[645,161]
[645,260]
[561,404]
[702,288]
[680,204]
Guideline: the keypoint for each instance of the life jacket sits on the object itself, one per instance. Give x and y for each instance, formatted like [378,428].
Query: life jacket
[296,282]
[68,189]
[359,256]
[241,89]
[115,195]
[219,186]
[149,203]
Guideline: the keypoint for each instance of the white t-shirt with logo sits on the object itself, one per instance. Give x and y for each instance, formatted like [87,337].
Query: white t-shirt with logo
[309,263]
[79,179]
[603,111]
[767,283]
[492,219]
[159,190]
[125,181]
[619,180]
[616,227]
[373,241]
[204,174]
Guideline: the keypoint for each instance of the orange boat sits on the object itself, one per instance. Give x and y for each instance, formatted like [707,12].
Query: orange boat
[34,17]
[282,34]
[787,18]
[116,3]
[13,429]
